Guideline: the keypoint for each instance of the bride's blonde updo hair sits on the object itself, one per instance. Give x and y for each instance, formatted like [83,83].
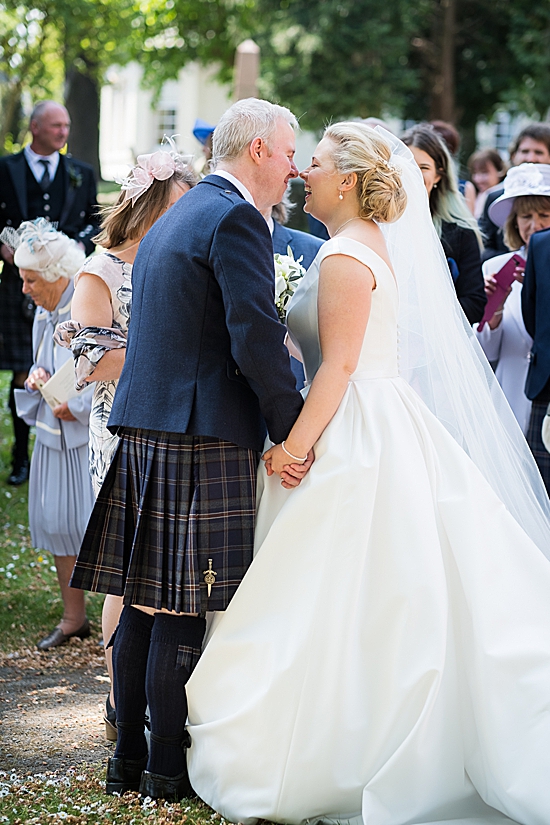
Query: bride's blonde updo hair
[359,149]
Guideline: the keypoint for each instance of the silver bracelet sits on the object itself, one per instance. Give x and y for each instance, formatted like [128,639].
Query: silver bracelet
[301,460]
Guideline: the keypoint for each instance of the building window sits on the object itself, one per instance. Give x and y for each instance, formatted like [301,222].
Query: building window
[166,123]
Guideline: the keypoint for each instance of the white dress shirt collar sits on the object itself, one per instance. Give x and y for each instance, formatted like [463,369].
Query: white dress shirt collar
[36,167]
[221,173]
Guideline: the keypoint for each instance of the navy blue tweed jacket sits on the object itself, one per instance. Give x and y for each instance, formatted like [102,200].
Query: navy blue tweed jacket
[302,243]
[535,305]
[205,348]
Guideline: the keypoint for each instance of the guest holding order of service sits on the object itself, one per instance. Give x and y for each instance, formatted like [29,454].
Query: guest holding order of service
[101,306]
[60,491]
[522,209]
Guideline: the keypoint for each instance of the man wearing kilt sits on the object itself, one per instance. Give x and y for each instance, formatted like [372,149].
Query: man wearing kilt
[206,373]
[37,182]
[535,304]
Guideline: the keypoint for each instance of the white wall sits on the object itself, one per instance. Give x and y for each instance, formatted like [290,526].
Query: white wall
[129,123]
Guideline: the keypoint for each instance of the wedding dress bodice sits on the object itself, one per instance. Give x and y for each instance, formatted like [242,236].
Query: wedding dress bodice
[378,357]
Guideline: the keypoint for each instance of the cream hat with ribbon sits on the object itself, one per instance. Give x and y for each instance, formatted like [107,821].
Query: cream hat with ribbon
[527,179]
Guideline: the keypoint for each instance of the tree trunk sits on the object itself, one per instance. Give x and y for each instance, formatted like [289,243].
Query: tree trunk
[442,104]
[82,102]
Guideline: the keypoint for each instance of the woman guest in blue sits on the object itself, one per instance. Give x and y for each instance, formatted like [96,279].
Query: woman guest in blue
[60,490]
[206,373]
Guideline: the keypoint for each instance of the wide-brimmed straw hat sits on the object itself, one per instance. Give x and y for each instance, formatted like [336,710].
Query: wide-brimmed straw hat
[527,179]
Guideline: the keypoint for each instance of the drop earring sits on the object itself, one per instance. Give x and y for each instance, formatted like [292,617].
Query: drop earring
[340,197]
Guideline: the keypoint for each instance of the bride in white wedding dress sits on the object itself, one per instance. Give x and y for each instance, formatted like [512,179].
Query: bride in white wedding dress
[387,656]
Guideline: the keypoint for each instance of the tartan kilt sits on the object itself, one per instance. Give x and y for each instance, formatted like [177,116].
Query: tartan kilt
[534,439]
[171,507]
[16,318]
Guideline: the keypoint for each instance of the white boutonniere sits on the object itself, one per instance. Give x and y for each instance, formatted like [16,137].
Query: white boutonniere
[288,272]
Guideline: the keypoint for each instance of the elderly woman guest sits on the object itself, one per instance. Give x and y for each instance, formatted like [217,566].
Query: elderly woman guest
[522,209]
[455,224]
[60,492]
[101,313]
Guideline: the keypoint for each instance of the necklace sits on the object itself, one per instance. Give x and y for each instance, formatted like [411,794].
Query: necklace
[356,218]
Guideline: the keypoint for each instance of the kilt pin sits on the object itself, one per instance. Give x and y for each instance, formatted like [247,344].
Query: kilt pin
[173,526]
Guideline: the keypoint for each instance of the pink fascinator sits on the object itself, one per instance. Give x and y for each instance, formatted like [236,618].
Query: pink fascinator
[159,165]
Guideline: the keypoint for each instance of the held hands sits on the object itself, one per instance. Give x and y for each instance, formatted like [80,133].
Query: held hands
[37,377]
[276,461]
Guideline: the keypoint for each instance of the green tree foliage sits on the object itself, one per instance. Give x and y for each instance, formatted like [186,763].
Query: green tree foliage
[43,42]
[326,59]
[343,58]
[29,46]
[337,58]
[167,34]
[530,46]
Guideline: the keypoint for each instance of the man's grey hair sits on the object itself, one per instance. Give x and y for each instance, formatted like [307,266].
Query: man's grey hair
[242,123]
[40,108]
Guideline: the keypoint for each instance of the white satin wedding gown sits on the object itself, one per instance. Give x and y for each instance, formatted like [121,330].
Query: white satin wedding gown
[387,656]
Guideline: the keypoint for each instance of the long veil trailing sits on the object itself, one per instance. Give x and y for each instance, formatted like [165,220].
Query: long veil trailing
[441,359]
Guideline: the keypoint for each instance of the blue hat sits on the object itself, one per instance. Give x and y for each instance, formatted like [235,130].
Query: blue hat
[202,130]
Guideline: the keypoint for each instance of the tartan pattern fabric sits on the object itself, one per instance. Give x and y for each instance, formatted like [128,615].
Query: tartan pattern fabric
[534,439]
[16,315]
[171,503]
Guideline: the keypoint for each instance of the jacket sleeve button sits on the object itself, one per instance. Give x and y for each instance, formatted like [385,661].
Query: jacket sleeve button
[237,371]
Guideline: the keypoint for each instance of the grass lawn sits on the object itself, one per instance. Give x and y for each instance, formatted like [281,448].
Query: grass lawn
[77,797]
[30,606]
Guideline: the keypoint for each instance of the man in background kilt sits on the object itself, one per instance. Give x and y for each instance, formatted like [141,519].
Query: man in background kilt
[38,182]
[206,370]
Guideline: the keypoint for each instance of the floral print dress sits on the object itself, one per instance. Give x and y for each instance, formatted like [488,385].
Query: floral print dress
[89,344]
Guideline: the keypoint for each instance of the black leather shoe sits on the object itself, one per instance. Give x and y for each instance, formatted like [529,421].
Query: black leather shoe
[57,637]
[172,788]
[19,473]
[124,774]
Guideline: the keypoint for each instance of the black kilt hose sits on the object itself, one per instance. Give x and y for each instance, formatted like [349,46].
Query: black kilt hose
[173,526]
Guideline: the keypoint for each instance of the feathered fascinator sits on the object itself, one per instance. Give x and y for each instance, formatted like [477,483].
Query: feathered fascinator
[39,246]
[159,165]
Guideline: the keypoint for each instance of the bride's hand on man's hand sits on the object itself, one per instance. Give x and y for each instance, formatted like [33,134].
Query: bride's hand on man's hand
[276,461]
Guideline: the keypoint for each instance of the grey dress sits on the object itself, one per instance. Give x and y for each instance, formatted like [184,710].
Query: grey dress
[60,492]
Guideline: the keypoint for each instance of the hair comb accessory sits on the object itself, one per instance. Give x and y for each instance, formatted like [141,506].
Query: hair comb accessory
[159,165]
